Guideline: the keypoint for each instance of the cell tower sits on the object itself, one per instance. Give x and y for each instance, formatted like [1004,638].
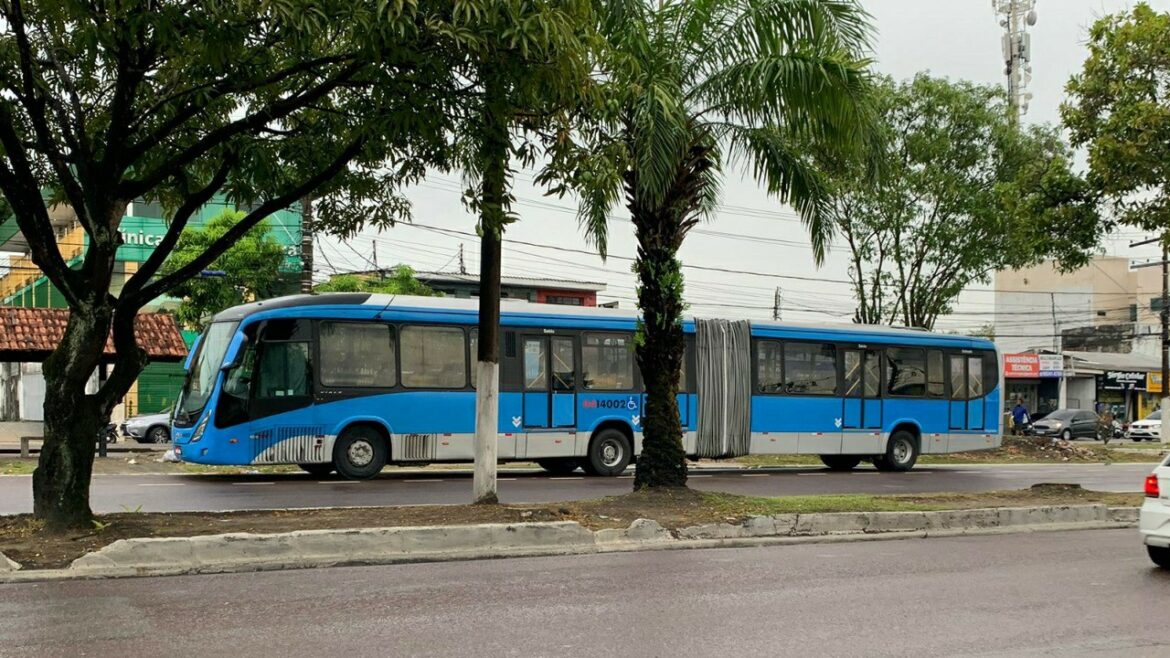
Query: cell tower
[1016,16]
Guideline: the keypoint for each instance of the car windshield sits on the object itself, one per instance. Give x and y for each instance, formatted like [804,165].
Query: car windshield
[1157,415]
[1061,414]
[204,368]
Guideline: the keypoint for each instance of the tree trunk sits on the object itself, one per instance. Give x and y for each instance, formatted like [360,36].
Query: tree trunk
[72,421]
[493,153]
[662,462]
[487,371]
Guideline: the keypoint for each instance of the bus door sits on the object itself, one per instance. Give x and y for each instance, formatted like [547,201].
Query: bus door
[550,382]
[967,391]
[975,391]
[863,404]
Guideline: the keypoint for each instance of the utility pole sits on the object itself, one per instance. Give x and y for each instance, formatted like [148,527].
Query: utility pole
[1016,16]
[1055,326]
[776,305]
[1164,314]
[306,244]
[462,267]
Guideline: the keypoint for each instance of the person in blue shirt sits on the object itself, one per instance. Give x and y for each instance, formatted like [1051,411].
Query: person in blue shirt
[1019,416]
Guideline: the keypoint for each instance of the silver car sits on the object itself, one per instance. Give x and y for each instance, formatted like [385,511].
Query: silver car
[151,428]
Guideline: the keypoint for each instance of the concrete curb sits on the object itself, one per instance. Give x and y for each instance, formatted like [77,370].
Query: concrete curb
[240,552]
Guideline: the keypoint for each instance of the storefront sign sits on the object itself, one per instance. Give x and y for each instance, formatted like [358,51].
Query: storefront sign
[1021,365]
[1051,365]
[1154,382]
[1121,380]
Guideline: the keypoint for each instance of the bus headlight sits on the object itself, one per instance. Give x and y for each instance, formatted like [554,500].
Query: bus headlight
[200,428]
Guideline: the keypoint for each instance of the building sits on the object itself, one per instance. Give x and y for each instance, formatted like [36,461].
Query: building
[1087,339]
[23,285]
[1107,306]
[532,289]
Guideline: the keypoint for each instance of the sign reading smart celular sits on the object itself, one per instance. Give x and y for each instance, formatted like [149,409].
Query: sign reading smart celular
[1123,380]
[1021,365]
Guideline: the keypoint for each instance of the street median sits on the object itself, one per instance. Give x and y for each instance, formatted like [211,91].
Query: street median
[237,552]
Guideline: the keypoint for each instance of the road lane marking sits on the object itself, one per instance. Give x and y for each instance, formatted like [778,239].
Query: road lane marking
[756,475]
[705,475]
[505,479]
[812,473]
[251,484]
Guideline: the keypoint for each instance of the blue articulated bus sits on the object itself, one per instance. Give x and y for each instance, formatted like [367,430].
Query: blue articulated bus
[352,382]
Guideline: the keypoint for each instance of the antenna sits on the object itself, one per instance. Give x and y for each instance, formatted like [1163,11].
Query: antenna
[1016,17]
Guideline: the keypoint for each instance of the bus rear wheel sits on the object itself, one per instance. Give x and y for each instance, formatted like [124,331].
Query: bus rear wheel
[562,466]
[609,453]
[901,453]
[841,462]
[317,470]
[360,453]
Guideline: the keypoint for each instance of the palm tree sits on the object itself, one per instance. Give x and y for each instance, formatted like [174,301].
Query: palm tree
[695,83]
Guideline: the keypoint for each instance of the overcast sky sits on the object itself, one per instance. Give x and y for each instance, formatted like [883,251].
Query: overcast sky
[958,39]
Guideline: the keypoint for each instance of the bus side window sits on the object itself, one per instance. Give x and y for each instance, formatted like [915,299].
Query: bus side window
[935,374]
[769,374]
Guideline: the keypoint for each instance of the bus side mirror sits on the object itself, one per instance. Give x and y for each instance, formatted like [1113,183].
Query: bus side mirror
[191,353]
[237,356]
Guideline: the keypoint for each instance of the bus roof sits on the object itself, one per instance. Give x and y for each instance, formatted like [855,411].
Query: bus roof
[514,309]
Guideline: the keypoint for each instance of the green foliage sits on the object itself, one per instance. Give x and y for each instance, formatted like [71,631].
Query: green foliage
[251,269]
[401,281]
[695,84]
[1118,108]
[959,194]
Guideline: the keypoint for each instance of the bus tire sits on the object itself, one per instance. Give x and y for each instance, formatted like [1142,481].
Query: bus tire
[559,466]
[317,470]
[901,453]
[609,453]
[360,453]
[841,462]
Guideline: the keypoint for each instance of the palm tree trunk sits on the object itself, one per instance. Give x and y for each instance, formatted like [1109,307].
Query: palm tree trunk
[659,352]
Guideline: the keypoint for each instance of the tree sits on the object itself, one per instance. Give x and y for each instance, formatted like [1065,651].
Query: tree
[250,267]
[959,193]
[1118,109]
[694,84]
[530,64]
[402,281]
[177,101]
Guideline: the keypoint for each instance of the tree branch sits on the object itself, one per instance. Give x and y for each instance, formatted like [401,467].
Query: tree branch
[246,224]
[271,112]
[179,222]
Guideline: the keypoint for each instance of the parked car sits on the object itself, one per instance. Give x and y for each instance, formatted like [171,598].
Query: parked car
[1146,429]
[1154,517]
[1067,424]
[151,428]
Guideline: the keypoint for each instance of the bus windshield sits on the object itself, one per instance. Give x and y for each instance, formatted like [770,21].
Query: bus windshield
[204,368]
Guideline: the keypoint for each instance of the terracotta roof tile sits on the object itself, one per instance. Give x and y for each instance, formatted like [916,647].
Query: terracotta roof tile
[31,334]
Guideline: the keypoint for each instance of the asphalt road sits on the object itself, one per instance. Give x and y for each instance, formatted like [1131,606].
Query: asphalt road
[178,493]
[1087,593]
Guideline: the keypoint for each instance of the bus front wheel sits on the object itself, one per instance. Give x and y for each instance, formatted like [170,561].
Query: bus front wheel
[841,462]
[901,453]
[359,453]
[609,453]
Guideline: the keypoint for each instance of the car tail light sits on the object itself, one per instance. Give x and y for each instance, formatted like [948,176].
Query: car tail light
[1152,486]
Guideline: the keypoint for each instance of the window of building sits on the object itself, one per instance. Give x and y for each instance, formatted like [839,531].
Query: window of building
[565,300]
[935,374]
[907,371]
[357,354]
[433,357]
[769,371]
[143,208]
[607,362]
[810,368]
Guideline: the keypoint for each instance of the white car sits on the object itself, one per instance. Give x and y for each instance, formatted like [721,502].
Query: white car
[1146,429]
[1154,518]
